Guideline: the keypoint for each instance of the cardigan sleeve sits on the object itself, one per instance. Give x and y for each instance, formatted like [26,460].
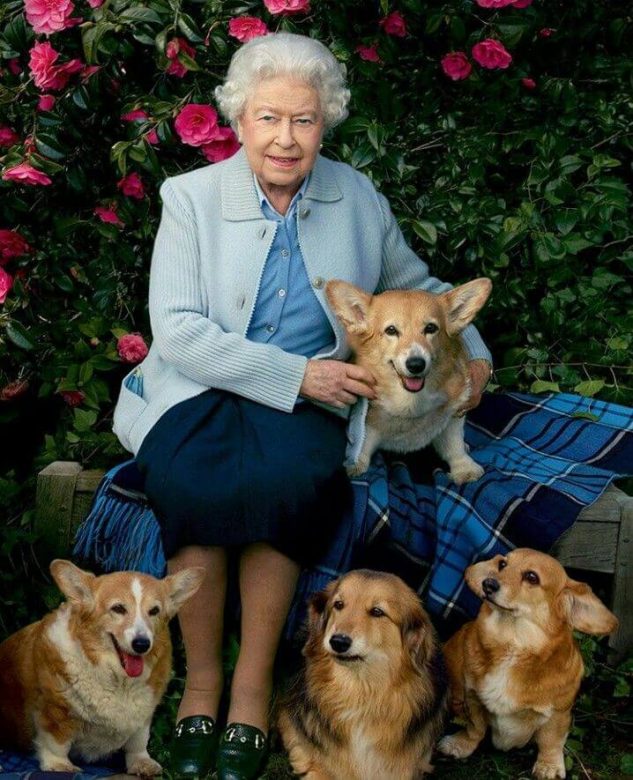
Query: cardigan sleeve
[190,340]
[403,269]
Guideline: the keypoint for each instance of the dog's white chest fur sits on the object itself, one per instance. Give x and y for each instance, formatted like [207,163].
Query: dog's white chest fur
[493,690]
[110,706]
[406,422]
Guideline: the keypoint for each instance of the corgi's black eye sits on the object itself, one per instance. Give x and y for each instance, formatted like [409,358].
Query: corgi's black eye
[119,609]
[391,330]
[431,328]
[153,611]
[376,612]
[502,565]
[531,577]
[338,605]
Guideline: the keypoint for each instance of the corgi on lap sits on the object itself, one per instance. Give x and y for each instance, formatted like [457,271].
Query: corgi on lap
[410,341]
[86,679]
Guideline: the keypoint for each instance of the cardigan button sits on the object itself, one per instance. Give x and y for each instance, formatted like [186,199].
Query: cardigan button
[318,282]
[304,212]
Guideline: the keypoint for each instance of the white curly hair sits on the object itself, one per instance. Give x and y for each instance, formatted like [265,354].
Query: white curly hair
[284,54]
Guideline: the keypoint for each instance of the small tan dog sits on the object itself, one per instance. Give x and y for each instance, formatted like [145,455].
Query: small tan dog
[87,677]
[516,668]
[409,340]
[371,700]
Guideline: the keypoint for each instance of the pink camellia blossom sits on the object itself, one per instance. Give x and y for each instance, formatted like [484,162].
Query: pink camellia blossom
[88,71]
[394,24]
[132,348]
[14,389]
[46,102]
[172,50]
[491,54]
[73,397]
[136,115]
[6,283]
[48,16]
[245,28]
[8,137]
[546,32]
[132,186]
[494,3]
[528,83]
[222,147]
[521,3]
[369,53]
[95,3]
[108,214]
[24,173]
[46,74]
[288,6]
[12,244]
[456,66]
[197,124]
[15,67]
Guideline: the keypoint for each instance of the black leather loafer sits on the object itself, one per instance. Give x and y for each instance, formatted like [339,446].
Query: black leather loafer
[194,747]
[242,753]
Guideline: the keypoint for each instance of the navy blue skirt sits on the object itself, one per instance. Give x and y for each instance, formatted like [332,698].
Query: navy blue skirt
[224,471]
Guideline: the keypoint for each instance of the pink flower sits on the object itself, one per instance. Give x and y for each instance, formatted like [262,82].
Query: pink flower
[222,147]
[528,83]
[245,28]
[26,174]
[8,137]
[197,124]
[95,3]
[14,389]
[132,186]
[12,244]
[132,348]
[394,24]
[6,283]
[15,67]
[47,75]
[288,6]
[456,66]
[48,16]
[546,32]
[136,115]
[88,71]
[108,214]
[369,53]
[46,102]
[521,3]
[494,3]
[73,397]
[491,54]
[172,50]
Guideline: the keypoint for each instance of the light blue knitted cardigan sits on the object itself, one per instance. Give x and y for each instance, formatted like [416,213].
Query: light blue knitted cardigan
[208,259]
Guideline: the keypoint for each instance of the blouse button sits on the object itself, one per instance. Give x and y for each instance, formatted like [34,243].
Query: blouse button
[318,282]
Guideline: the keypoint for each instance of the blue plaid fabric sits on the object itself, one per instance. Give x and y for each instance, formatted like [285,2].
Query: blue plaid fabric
[19,766]
[546,458]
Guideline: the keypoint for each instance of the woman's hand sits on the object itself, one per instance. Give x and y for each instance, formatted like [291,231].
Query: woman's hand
[480,372]
[336,383]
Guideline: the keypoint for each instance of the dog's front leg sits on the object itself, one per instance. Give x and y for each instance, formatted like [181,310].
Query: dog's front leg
[450,446]
[550,738]
[464,742]
[52,753]
[370,445]
[137,759]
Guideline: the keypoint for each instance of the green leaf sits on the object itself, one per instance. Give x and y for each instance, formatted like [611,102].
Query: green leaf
[84,419]
[590,387]
[50,147]
[626,763]
[19,336]
[140,14]
[541,386]
[188,27]
[426,231]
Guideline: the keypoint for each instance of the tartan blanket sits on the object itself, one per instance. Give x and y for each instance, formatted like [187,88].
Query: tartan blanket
[546,457]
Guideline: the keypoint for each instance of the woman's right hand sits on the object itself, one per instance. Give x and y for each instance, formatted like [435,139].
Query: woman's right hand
[336,383]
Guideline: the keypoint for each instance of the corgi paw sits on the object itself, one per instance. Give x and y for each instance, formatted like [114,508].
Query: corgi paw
[465,471]
[549,770]
[357,469]
[145,767]
[457,745]
[59,765]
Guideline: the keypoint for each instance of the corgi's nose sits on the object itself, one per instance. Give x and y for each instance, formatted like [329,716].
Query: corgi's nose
[340,643]
[141,644]
[490,585]
[415,365]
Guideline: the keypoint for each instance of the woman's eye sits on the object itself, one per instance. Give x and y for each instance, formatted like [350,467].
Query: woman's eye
[502,565]
[531,577]
[303,121]
[119,609]
[338,605]
[431,328]
[391,330]
[376,612]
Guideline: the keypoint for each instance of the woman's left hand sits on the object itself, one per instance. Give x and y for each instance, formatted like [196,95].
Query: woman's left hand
[480,372]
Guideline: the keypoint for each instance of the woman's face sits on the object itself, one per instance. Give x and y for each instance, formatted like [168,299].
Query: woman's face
[281,130]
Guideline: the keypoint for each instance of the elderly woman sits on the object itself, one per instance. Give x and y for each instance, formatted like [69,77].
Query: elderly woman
[237,415]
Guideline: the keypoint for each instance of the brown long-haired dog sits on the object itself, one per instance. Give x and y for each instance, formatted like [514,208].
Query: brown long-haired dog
[370,702]
[516,668]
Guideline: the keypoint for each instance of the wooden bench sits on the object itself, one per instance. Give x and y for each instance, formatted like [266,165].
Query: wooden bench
[600,541]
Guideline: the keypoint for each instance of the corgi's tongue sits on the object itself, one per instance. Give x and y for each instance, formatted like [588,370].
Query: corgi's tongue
[132,664]
[413,383]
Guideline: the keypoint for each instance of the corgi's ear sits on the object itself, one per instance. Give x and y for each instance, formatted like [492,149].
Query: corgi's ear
[349,303]
[418,637]
[181,586]
[74,583]
[462,303]
[585,611]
